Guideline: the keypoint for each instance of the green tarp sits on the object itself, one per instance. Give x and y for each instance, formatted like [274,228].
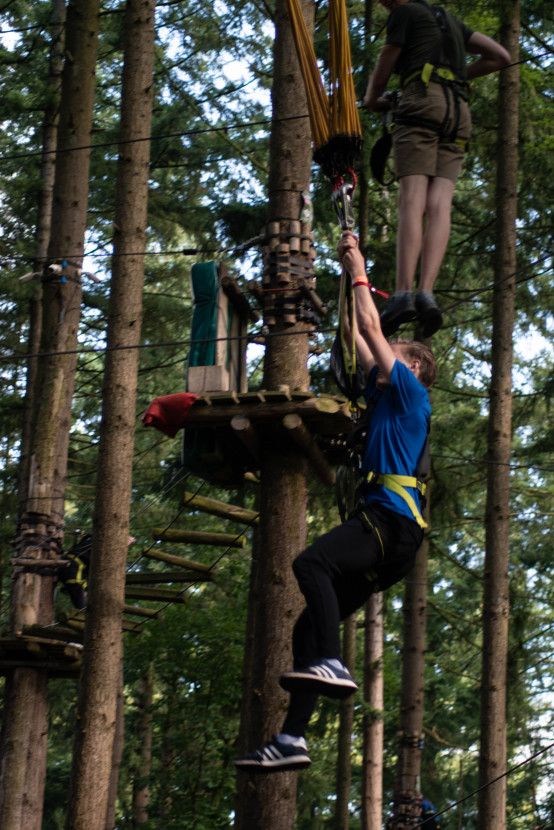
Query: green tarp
[204,315]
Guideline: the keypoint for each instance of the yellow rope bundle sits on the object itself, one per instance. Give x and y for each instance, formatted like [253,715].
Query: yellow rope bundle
[318,102]
[344,118]
[339,115]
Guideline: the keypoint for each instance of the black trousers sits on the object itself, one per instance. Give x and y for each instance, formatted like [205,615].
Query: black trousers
[337,573]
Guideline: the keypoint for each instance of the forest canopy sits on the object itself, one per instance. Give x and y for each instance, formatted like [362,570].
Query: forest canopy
[207,200]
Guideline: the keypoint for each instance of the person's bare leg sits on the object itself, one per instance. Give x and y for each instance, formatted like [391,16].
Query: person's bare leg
[412,200]
[435,240]
[437,230]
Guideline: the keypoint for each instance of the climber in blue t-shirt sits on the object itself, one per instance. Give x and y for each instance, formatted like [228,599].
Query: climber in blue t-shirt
[377,544]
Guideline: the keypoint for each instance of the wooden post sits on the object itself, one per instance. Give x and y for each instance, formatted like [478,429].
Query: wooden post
[246,434]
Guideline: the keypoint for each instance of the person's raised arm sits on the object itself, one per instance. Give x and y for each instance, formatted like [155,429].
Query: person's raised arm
[377,84]
[367,316]
[493,56]
[366,358]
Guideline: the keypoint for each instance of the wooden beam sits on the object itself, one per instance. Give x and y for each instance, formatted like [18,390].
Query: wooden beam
[55,632]
[304,440]
[54,669]
[199,537]
[247,435]
[237,297]
[309,293]
[77,620]
[139,611]
[153,577]
[220,508]
[155,594]
[180,561]
[200,415]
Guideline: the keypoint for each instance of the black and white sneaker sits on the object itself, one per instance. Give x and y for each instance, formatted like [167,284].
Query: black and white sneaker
[275,757]
[322,678]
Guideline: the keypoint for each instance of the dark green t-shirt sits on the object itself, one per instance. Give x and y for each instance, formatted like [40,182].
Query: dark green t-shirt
[414,27]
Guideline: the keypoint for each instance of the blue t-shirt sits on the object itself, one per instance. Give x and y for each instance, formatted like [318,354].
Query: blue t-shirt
[397,433]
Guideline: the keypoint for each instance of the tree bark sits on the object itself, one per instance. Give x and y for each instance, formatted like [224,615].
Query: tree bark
[275,600]
[40,523]
[44,223]
[141,788]
[373,729]
[346,722]
[117,753]
[406,792]
[99,686]
[492,759]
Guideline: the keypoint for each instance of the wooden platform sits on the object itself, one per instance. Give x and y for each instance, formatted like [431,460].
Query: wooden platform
[58,656]
[238,422]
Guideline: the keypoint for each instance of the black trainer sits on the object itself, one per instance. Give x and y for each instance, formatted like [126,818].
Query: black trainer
[275,757]
[428,313]
[321,678]
[400,309]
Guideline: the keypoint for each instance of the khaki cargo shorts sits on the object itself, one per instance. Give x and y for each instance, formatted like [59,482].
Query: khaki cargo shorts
[417,149]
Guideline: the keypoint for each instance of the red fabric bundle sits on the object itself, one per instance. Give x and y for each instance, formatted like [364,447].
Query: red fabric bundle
[168,412]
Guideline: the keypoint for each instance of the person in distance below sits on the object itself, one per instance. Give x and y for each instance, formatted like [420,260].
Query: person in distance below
[377,544]
[427,47]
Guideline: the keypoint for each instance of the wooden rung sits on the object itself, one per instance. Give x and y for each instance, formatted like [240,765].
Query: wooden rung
[54,632]
[155,594]
[77,620]
[219,508]
[199,537]
[151,577]
[139,611]
[180,561]
[73,622]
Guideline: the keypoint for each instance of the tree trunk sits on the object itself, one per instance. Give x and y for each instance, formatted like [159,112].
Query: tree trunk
[103,645]
[346,722]
[44,222]
[40,526]
[117,753]
[372,774]
[406,793]
[270,805]
[141,787]
[492,759]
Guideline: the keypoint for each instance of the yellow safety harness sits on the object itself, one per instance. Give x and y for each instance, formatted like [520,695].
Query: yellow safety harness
[351,481]
[398,484]
[80,576]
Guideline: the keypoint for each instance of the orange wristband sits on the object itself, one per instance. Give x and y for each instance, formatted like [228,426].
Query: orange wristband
[360,281]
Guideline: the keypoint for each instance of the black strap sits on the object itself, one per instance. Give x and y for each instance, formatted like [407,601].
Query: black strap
[444,50]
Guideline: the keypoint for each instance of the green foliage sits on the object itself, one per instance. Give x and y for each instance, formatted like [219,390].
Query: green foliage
[207,192]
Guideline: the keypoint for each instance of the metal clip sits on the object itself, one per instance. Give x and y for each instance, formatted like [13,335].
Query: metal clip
[342,200]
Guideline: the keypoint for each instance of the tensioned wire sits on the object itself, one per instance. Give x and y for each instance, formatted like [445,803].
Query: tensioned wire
[202,130]
[287,333]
